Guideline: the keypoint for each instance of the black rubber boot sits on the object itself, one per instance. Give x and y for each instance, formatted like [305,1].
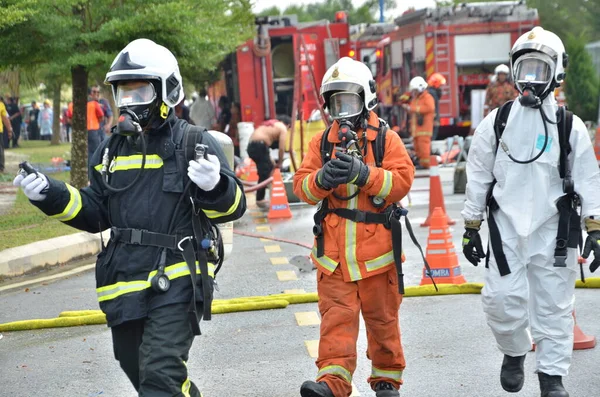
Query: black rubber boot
[512,375]
[551,386]
[315,389]
[385,389]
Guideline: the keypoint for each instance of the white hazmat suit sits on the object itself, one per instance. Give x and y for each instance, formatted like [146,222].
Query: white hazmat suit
[535,294]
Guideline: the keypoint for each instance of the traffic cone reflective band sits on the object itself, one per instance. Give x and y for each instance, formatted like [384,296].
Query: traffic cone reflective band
[441,254]
[436,195]
[582,341]
[280,206]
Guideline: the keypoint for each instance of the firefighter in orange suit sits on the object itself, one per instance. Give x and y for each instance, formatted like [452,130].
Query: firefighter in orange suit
[422,115]
[354,251]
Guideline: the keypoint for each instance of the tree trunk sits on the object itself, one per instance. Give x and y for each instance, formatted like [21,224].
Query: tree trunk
[56,111]
[79,147]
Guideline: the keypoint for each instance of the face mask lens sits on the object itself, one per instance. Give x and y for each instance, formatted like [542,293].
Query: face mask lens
[534,73]
[135,93]
[345,105]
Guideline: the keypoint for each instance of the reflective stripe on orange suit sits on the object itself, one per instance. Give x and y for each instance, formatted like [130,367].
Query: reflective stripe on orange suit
[358,265]
[423,104]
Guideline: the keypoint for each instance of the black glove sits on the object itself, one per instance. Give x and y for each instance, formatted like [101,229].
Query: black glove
[592,243]
[329,177]
[472,247]
[351,169]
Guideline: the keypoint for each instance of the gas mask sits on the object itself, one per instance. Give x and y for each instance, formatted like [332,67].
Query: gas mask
[534,78]
[137,103]
[347,108]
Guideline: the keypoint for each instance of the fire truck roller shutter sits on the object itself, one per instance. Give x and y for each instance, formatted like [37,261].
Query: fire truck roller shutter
[283,60]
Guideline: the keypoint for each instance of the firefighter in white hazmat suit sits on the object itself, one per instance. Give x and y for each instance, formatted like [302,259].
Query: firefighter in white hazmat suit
[529,278]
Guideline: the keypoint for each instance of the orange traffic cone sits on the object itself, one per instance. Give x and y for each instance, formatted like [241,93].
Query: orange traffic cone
[280,206]
[582,341]
[248,171]
[441,254]
[436,195]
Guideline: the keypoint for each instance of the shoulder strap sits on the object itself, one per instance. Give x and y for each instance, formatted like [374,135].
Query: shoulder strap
[326,147]
[501,120]
[565,126]
[191,136]
[379,143]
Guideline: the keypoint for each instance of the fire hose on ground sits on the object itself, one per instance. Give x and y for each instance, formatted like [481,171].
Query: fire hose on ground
[251,303]
[252,187]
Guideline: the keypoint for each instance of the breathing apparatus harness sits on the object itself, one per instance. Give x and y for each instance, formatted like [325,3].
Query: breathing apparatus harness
[389,218]
[569,226]
[206,243]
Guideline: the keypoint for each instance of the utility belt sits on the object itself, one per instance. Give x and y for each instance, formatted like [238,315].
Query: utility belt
[389,218]
[568,235]
[193,250]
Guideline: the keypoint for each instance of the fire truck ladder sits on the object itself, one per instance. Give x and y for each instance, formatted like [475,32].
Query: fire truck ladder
[298,97]
[443,64]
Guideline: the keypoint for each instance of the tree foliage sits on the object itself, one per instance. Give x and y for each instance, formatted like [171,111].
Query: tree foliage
[581,83]
[82,37]
[366,13]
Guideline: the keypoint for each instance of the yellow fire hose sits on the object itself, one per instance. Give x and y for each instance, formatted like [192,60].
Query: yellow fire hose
[251,303]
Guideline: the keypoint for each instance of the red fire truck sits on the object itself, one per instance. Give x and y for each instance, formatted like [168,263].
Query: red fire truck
[366,39]
[279,71]
[464,43]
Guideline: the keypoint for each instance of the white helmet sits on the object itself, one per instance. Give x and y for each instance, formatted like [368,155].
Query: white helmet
[501,69]
[417,84]
[538,60]
[349,76]
[143,59]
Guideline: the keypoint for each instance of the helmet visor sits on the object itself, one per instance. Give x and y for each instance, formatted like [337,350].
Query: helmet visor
[130,93]
[345,104]
[533,71]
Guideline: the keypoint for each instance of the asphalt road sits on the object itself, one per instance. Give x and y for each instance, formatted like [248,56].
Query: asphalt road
[449,349]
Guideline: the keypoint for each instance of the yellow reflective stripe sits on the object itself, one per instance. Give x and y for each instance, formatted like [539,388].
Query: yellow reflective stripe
[124,163]
[380,373]
[386,188]
[98,167]
[73,206]
[324,261]
[306,190]
[173,272]
[236,202]
[185,387]
[351,261]
[380,261]
[337,370]
[423,133]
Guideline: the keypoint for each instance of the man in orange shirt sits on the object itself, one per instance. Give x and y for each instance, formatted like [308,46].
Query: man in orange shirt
[355,252]
[422,114]
[95,115]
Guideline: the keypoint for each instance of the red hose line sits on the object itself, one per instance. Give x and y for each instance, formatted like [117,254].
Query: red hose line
[253,235]
[257,186]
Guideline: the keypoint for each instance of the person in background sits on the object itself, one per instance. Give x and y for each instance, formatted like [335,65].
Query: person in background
[435,83]
[236,117]
[45,120]
[224,114]
[4,125]
[68,117]
[422,113]
[500,90]
[33,130]
[183,112]
[271,134]
[202,111]
[14,115]
[106,122]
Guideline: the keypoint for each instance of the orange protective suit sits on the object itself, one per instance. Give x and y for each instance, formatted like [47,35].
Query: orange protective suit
[422,115]
[357,269]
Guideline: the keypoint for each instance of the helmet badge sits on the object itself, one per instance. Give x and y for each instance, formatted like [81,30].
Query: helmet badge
[335,73]
[531,35]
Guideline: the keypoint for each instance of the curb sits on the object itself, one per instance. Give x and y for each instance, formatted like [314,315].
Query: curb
[56,251]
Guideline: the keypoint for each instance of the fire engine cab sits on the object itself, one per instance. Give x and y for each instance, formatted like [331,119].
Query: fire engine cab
[279,71]
[464,43]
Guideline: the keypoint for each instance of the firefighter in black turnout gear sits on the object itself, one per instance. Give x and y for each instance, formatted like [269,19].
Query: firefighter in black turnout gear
[161,207]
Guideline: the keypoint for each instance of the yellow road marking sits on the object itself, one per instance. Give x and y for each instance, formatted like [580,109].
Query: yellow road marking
[265,240]
[313,348]
[263,228]
[287,275]
[269,249]
[279,260]
[307,318]
[261,220]
[294,291]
